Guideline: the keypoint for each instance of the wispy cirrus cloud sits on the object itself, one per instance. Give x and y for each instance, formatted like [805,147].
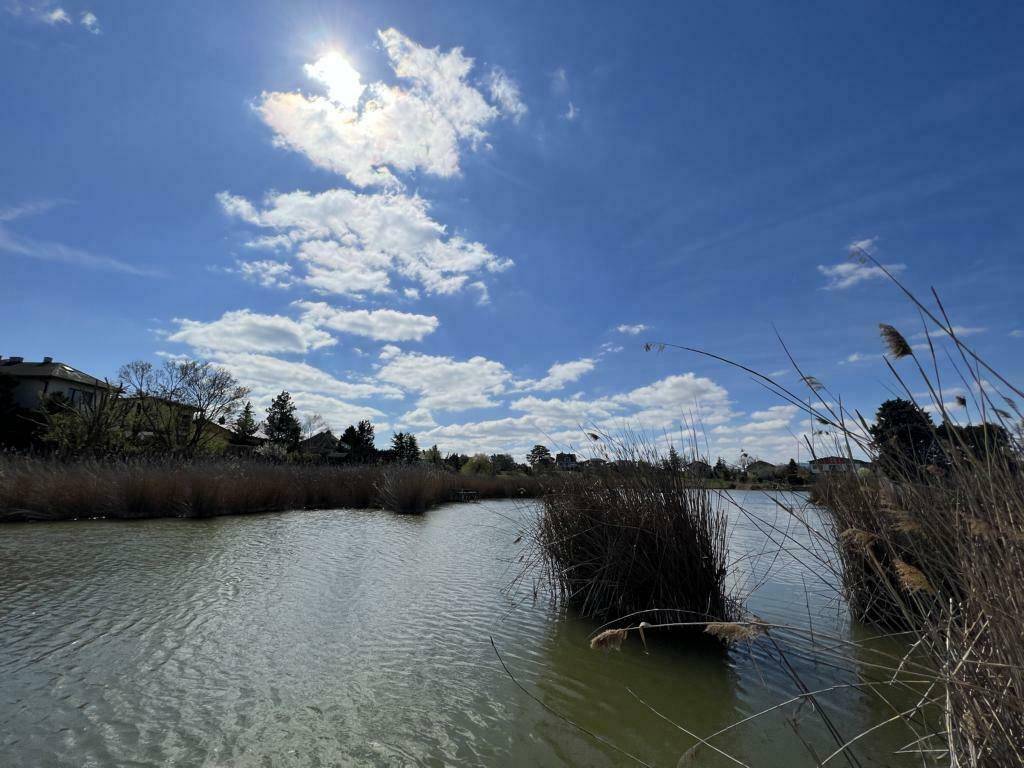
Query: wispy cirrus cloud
[48,250]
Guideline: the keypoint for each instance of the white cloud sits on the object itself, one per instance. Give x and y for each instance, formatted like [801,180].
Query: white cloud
[571,112]
[560,80]
[559,375]
[959,330]
[411,293]
[443,383]
[860,357]
[352,243]
[272,374]
[45,250]
[1017,334]
[632,330]
[379,324]
[419,417]
[505,93]
[245,331]
[848,274]
[90,22]
[267,272]
[369,133]
[55,16]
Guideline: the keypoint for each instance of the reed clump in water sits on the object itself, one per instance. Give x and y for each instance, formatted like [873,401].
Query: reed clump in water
[48,489]
[634,537]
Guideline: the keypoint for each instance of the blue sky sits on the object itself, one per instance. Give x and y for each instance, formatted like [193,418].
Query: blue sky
[465,220]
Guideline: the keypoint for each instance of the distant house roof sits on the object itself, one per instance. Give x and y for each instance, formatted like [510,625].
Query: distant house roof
[837,460]
[48,369]
[323,442]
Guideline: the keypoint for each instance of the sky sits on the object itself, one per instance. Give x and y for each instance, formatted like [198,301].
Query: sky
[466,219]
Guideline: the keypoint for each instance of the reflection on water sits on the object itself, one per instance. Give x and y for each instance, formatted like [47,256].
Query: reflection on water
[353,637]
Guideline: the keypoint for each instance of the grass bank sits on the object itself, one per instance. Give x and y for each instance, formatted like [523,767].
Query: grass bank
[33,489]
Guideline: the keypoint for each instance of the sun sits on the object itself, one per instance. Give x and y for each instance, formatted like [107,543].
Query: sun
[344,86]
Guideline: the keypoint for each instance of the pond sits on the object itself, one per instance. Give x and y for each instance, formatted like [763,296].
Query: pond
[350,637]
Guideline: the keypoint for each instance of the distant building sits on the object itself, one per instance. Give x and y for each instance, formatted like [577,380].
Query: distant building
[828,464]
[566,461]
[35,382]
[697,468]
[323,444]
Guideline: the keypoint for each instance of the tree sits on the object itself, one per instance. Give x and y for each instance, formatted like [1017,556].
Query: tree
[503,462]
[721,470]
[792,473]
[673,463]
[432,456]
[173,406]
[404,448]
[246,425]
[539,456]
[357,443]
[478,465]
[282,426]
[455,461]
[904,437]
[312,425]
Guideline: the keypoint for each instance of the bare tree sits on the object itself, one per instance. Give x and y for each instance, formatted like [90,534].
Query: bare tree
[173,406]
[313,424]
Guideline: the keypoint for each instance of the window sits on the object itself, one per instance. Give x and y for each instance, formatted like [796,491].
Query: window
[80,396]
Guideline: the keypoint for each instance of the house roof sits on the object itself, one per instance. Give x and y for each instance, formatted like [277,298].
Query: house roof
[321,441]
[49,369]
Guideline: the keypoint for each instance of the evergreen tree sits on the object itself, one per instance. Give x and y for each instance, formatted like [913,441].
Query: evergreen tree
[673,463]
[405,448]
[282,426]
[357,442]
[792,473]
[904,436]
[246,425]
[539,456]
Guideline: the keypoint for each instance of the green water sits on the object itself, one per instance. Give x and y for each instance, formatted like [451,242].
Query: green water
[339,638]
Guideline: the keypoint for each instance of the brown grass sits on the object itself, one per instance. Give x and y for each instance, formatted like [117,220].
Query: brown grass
[40,489]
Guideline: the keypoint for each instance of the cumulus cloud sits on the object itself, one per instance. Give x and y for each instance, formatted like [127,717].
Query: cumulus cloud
[443,383]
[368,133]
[351,244]
[55,16]
[379,324]
[632,330]
[246,331]
[559,375]
[267,272]
[571,112]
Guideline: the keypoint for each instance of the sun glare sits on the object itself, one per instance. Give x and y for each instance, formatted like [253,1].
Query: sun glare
[341,78]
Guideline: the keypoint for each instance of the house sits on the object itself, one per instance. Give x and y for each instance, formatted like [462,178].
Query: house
[566,461]
[35,382]
[698,468]
[323,444]
[829,464]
